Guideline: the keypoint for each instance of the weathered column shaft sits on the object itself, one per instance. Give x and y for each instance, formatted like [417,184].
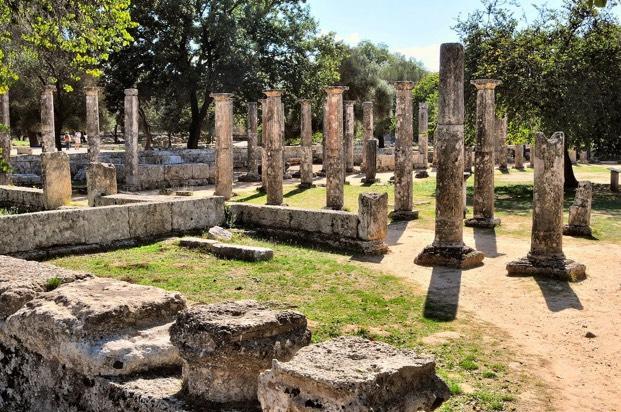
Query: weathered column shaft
[5,137]
[131,138]
[580,212]
[370,153]
[423,131]
[368,127]
[306,127]
[274,147]
[350,122]
[47,120]
[263,103]
[501,142]
[519,156]
[335,170]
[547,233]
[253,158]
[404,165]
[224,144]
[92,123]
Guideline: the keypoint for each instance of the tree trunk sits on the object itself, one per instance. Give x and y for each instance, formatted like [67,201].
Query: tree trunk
[570,178]
[198,118]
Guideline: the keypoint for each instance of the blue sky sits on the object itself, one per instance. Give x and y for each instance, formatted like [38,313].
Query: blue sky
[415,28]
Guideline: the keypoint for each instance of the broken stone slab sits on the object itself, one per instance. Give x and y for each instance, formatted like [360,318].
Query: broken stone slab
[227,250]
[100,181]
[100,327]
[218,233]
[352,374]
[226,346]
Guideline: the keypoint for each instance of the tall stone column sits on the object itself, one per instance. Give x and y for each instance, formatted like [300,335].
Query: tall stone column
[263,187]
[5,137]
[350,122]
[404,162]
[132,177]
[546,257]
[501,143]
[335,169]
[274,147]
[306,127]
[368,128]
[253,141]
[423,131]
[483,206]
[92,123]
[224,144]
[448,247]
[47,120]
[519,157]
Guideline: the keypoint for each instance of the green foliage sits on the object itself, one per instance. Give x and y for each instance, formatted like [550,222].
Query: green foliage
[52,283]
[426,91]
[4,166]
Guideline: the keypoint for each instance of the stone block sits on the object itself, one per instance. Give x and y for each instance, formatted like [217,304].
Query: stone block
[373,216]
[151,175]
[226,346]
[178,172]
[200,171]
[106,225]
[100,181]
[100,327]
[550,267]
[197,214]
[352,374]
[56,178]
[227,250]
[149,220]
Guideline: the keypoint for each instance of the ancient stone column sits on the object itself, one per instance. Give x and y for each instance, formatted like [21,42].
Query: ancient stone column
[224,144]
[580,212]
[132,178]
[335,169]
[55,179]
[483,207]
[469,159]
[448,247]
[253,150]
[370,153]
[404,164]
[368,127]
[274,147]
[5,137]
[47,120]
[263,187]
[501,143]
[306,127]
[519,157]
[350,122]
[423,131]
[546,257]
[583,157]
[92,123]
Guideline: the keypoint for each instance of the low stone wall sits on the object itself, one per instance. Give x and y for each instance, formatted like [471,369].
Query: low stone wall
[41,234]
[23,198]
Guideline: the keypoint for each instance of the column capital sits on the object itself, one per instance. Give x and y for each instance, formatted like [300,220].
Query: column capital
[221,97]
[486,84]
[367,104]
[404,85]
[131,92]
[273,93]
[336,89]
[349,102]
[303,101]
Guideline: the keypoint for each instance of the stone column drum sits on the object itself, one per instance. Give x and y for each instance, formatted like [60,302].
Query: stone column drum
[368,127]
[263,187]
[483,205]
[47,120]
[404,164]
[92,123]
[502,124]
[333,158]
[370,154]
[423,131]
[5,137]
[132,178]
[546,257]
[224,144]
[519,157]
[448,247]
[306,127]
[350,123]
[253,151]
[580,212]
[274,147]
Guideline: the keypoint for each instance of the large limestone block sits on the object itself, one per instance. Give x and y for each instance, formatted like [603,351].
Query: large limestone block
[226,346]
[106,225]
[100,181]
[56,178]
[200,171]
[355,375]
[100,326]
[180,172]
[197,214]
[373,216]
[149,220]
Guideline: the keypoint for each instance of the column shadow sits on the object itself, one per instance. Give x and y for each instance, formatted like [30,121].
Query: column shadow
[442,299]
[485,241]
[559,295]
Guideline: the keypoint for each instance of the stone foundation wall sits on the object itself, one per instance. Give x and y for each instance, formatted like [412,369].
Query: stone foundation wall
[23,198]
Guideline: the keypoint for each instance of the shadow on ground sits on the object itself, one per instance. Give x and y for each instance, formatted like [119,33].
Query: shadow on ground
[559,295]
[442,299]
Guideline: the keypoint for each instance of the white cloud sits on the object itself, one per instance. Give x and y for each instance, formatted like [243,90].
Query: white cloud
[429,55]
[352,38]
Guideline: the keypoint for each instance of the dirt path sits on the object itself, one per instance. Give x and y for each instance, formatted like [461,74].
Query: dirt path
[548,321]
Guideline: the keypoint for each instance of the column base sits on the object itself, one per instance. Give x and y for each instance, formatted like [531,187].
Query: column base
[370,181]
[552,267]
[577,231]
[306,186]
[421,174]
[483,223]
[249,178]
[453,257]
[403,215]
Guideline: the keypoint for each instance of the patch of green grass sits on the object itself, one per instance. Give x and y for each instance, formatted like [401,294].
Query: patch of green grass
[469,363]
[52,283]
[20,143]
[492,400]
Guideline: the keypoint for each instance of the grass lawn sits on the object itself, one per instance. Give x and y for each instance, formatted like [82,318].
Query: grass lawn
[338,297]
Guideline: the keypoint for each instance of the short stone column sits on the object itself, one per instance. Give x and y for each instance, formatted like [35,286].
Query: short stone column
[583,157]
[519,157]
[306,127]
[423,131]
[373,221]
[56,179]
[100,181]
[92,123]
[404,164]
[132,177]
[274,147]
[224,144]
[5,138]
[335,169]
[350,134]
[580,212]
[483,205]
[370,154]
[614,179]
[466,177]
[468,159]
[502,124]
[226,346]
[448,247]
[546,257]
[253,143]
[48,132]
[368,126]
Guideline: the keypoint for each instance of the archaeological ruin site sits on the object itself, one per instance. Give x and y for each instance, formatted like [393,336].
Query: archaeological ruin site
[218,206]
